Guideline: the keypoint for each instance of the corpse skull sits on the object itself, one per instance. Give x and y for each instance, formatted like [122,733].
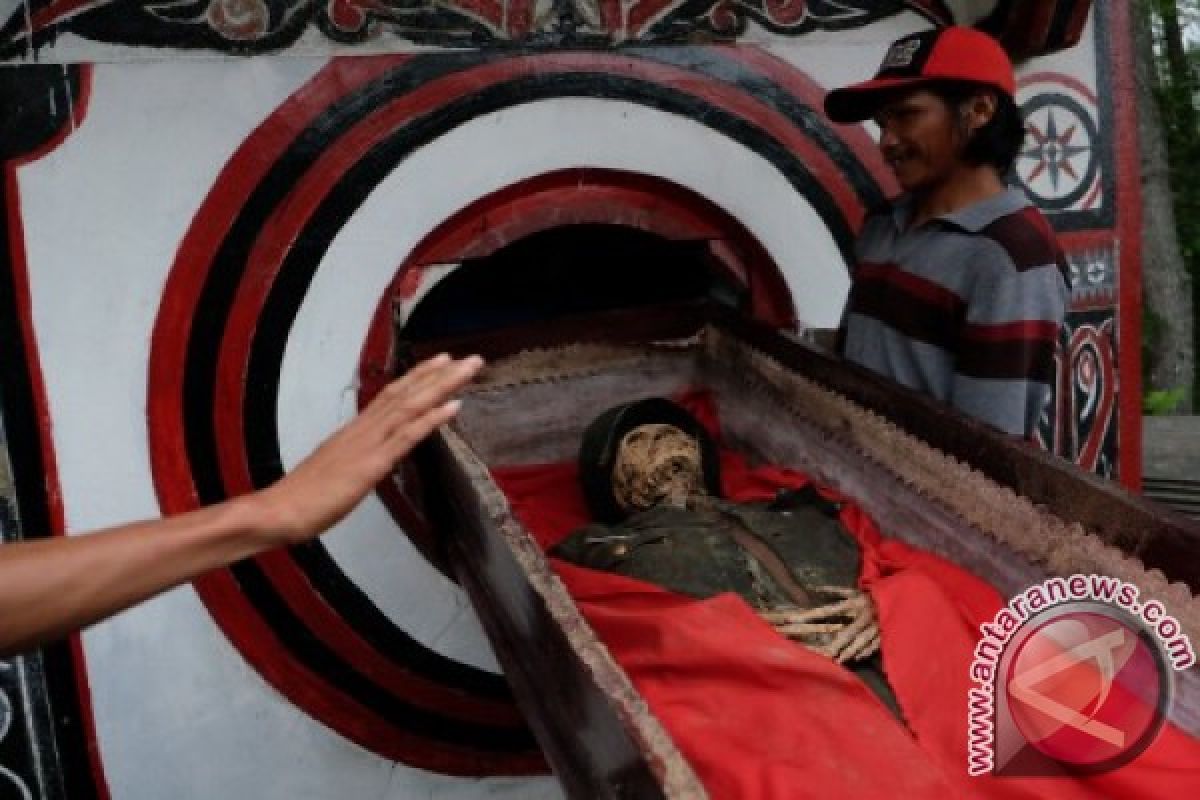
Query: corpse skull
[655,465]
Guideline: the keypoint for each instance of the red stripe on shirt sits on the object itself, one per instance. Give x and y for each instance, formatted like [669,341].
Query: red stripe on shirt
[920,288]
[1028,329]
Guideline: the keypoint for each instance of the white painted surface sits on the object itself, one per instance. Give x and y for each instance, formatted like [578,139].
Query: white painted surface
[838,58]
[104,214]
[178,713]
[1079,62]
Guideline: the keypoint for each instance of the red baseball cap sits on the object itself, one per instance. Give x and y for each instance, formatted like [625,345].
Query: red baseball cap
[942,54]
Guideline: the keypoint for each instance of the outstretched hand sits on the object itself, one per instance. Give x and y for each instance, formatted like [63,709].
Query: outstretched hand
[337,475]
[55,585]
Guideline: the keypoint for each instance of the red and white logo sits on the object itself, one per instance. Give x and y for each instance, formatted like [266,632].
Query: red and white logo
[1082,687]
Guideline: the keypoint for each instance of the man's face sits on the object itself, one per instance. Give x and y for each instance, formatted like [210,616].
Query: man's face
[921,139]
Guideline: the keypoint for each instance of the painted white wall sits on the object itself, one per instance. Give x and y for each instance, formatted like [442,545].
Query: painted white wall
[178,713]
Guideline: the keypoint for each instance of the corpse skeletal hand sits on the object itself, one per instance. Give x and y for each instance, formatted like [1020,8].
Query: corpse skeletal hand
[845,630]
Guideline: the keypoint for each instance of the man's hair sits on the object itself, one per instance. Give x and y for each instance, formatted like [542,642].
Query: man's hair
[997,143]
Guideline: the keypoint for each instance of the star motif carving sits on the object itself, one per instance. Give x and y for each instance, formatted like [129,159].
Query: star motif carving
[1053,151]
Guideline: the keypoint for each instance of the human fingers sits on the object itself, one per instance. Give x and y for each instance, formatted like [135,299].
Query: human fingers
[871,647]
[791,623]
[419,410]
[336,476]
[837,591]
[840,608]
[439,365]
[864,645]
[845,637]
[427,364]
[400,407]
[405,436]
[390,425]
[428,385]
[852,643]
[809,628]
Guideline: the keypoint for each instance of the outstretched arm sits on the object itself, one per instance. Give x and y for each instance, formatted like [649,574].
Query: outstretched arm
[51,587]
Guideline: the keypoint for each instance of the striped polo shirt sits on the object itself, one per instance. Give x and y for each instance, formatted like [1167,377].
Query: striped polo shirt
[965,307]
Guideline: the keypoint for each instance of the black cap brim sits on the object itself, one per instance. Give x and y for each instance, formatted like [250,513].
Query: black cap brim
[861,101]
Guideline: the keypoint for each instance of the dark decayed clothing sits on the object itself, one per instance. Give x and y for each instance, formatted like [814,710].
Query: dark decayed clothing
[697,553]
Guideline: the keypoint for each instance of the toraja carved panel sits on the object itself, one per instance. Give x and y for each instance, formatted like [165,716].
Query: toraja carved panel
[1067,169]
[29,767]
[261,25]
[1066,164]
[31,759]
[251,26]
[1081,423]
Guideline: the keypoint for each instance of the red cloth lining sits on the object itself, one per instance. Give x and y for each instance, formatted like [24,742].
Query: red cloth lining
[761,718]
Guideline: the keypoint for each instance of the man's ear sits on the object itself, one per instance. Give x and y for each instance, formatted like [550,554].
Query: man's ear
[978,110]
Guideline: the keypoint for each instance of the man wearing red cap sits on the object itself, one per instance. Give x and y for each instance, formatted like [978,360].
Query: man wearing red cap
[960,286]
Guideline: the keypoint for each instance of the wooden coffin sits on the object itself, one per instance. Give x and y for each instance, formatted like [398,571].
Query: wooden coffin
[1006,511]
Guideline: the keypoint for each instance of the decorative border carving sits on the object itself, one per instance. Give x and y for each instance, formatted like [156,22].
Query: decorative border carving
[256,26]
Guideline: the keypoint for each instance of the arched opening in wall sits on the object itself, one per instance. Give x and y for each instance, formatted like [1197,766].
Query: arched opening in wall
[568,241]
[569,270]
[565,244]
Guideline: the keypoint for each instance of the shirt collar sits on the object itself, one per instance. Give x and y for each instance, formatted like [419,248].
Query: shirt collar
[972,218]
